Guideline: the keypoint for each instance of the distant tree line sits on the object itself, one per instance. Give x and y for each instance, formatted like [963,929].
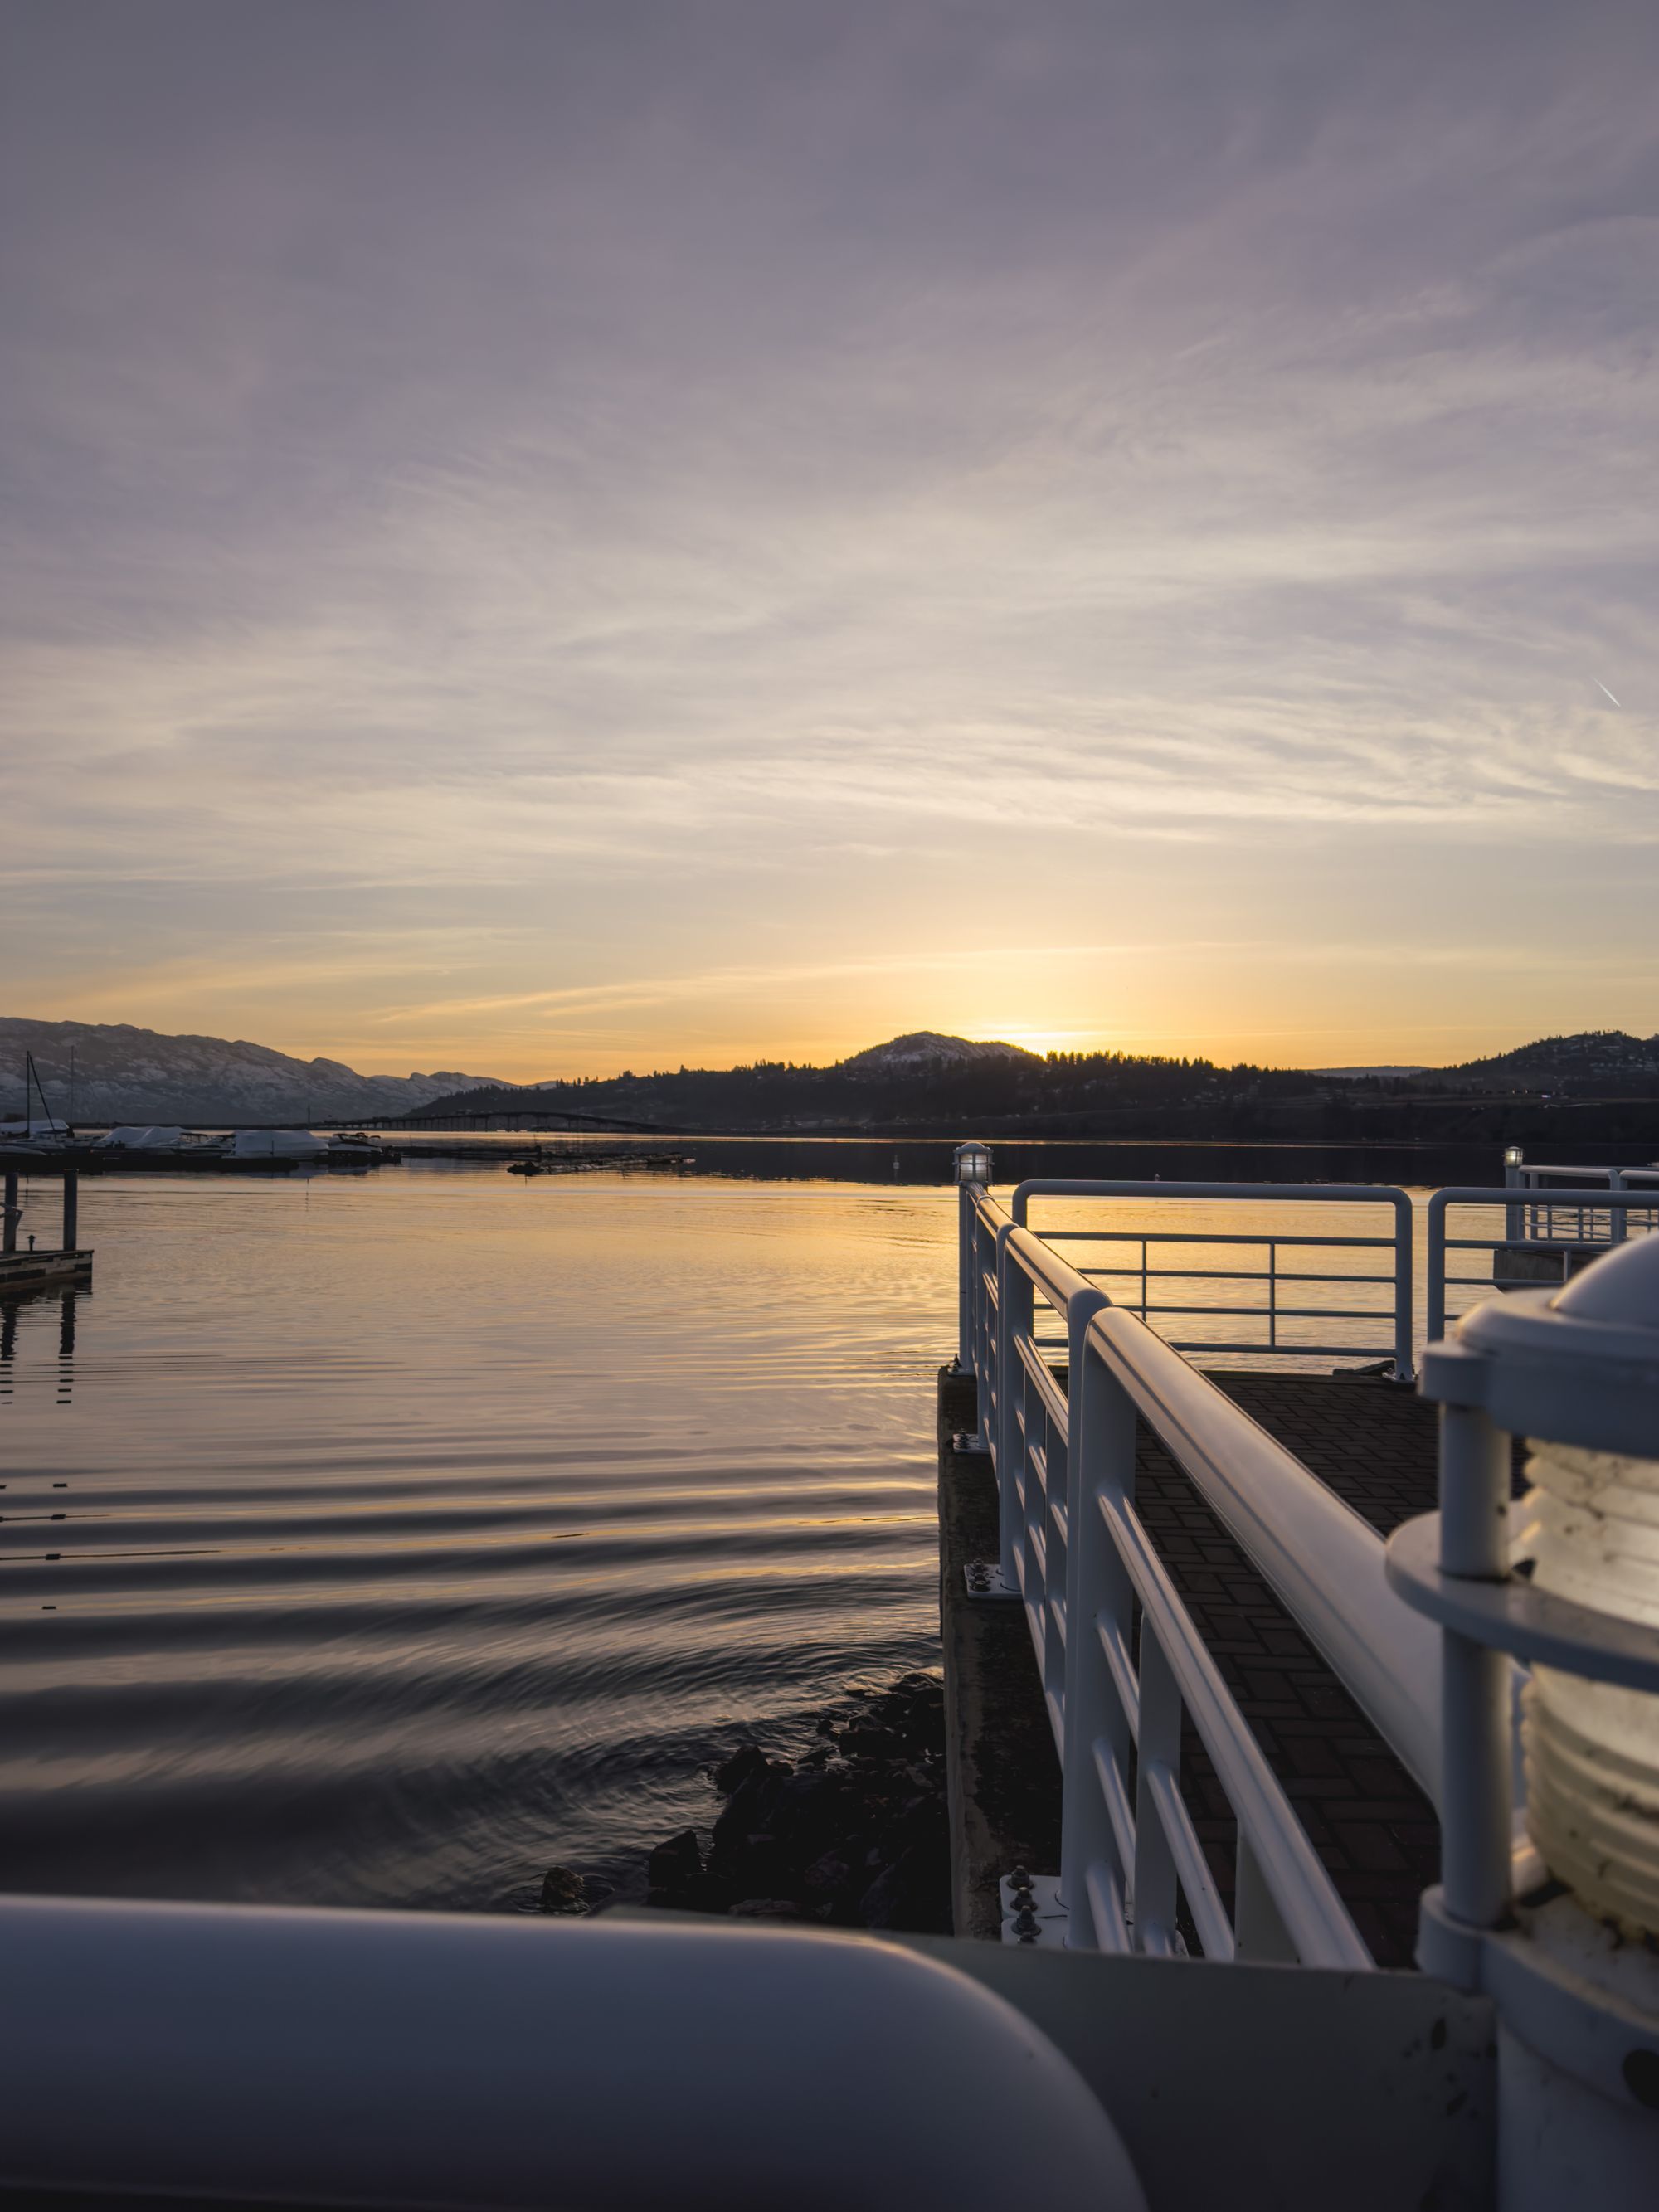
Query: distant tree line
[1087,1092]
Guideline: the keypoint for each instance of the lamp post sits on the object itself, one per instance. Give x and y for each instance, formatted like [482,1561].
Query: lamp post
[1513,1159]
[973,1163]
[971,1172]
[1558,1924]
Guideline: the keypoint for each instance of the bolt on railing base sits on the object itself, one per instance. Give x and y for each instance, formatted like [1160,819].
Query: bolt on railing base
[1032,1913]
[985,1578]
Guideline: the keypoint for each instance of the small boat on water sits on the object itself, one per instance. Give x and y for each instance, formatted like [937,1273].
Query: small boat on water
[161,1137]
[553,1163]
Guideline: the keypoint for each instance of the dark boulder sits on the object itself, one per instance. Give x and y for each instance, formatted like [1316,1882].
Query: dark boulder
[564,1891]
[912,1894]
[675,1871]
[747,1761]
[852,1833]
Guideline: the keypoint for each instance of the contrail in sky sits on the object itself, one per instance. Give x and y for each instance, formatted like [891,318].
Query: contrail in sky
[1601,686]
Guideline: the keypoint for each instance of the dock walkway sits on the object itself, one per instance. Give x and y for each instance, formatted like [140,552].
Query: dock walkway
[1374,1443]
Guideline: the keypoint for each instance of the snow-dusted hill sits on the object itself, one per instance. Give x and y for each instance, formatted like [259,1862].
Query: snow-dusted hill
[127,1074]
[928,1048]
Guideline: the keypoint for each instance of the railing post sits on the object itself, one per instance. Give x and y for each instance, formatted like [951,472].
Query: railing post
[1055,1459]
[966,1252]
[1259,1930]
[1404,1239]
[1098,1597]
[984,1340]
[71,1208]
[971,1169]
[1618,1217]
[1014,1319]
[1477,1784]
[1515,1177]
[10,1214]
[1160,1747]
[1435,1317]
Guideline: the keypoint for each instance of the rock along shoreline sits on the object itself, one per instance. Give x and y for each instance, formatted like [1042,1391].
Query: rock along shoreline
[851,1834]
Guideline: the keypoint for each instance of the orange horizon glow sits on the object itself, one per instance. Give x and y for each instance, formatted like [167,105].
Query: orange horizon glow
[736,1023]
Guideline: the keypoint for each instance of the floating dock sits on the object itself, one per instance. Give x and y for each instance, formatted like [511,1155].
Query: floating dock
[541,1163]
[42,1271]
[66,1263]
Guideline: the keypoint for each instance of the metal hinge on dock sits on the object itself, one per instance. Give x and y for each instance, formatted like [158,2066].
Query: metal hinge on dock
[1032,1911]
[985,1578]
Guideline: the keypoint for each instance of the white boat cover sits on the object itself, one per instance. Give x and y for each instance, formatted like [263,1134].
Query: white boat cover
[278,1145]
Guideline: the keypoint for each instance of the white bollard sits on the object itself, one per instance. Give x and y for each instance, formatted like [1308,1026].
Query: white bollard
[1562,1933]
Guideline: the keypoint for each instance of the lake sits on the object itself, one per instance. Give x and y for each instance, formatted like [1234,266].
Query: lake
[386,1538]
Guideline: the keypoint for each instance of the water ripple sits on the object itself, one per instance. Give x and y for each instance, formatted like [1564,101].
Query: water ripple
[384,1540]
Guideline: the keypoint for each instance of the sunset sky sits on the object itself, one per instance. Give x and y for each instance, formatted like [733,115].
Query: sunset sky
[541,538]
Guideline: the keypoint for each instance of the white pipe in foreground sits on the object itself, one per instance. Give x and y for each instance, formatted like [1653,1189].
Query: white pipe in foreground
[416,2059]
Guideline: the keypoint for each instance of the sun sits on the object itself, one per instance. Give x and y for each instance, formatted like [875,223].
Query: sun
[1036,1040]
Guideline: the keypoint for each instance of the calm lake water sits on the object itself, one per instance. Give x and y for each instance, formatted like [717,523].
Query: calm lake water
[386,1538]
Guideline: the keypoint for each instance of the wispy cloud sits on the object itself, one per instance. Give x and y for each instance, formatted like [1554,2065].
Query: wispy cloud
[757,486]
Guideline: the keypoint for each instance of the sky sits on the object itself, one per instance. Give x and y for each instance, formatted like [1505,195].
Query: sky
[541,538]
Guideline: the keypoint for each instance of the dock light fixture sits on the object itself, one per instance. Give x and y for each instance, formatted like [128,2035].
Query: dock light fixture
[1512,1156]
[972,1173]
[973,1163]
[1556,1916]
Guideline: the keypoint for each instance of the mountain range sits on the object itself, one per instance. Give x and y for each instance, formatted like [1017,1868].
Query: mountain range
[127,1074]
[122,1073]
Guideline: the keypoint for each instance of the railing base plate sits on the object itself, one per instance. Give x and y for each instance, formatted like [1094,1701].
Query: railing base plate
[1032,1914]
[985,1579]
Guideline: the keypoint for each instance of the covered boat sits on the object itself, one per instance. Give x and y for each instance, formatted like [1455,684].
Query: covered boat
[279,1145]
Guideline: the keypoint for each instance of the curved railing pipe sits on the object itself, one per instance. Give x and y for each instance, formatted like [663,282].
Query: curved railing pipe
[226,2053]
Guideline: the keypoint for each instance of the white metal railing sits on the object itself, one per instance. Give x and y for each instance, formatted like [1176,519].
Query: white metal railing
[1586,1219]
[1120,1659]
[1579,1215]
[1307,1290]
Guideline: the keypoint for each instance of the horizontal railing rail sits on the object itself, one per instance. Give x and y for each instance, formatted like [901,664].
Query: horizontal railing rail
[1121,1661]
[1314,1291]
[1573,1203]
[1527,1173]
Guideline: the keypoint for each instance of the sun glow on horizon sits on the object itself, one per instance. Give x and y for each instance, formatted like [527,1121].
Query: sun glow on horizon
[1042,1040]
